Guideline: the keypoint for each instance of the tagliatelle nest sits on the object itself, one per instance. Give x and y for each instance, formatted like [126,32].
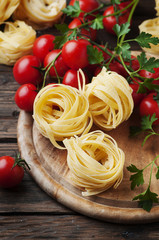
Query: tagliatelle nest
[95,161]
[40,14]
[151,26]
[61,111]
[110,99]
[7,7]
[15,41]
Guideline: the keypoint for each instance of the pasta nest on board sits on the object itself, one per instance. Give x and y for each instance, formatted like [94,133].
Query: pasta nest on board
[40,14]
[95,161]
[7,7]
[61,111]
[15,41]
[110,99]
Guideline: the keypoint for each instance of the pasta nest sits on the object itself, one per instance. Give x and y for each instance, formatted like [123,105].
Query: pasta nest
[61,111]
[157,7]
[40,14]
[110,99]
[95,161]
[15,41]
[151,26]
[7,7]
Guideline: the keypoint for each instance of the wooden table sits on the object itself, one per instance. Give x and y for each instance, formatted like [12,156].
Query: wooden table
[26,212]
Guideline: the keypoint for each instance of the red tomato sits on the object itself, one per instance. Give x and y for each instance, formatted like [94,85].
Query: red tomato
[137,97]
[91,33]
[110,21]
[24,71]
[10,176]
[25,96]
[147,74]
[86,6]
[149,106]
[43,45]
[70,78]
[74,53]
[60,65]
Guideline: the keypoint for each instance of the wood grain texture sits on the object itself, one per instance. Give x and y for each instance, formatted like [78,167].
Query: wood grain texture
[71,227]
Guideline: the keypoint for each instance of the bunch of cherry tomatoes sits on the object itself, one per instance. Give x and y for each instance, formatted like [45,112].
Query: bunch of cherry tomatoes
[29,70]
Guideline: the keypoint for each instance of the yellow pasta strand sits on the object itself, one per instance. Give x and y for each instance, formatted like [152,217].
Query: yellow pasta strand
[61,111]
[95,161]
[7,7]
[15,41]
[40,14]
[110,99]
[151,26]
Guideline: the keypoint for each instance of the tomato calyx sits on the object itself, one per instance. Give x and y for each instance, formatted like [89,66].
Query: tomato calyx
[20,162]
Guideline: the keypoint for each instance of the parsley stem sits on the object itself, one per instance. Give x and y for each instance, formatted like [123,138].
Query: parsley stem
[48,67]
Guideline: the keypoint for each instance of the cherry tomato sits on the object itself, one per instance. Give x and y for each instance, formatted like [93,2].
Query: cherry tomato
[71,79]
[86,6]
[91,33]
[110,21]
[137,97]
[149,106]
[60,65]
[74,53]
[147,74]
[25,70]
[25,96]
[43,45]
[10,176]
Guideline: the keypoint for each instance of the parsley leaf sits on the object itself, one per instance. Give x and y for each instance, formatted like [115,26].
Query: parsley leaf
[121,29]
[97,22]
[125,51]
[73,11]
[147,64]
[63,28]
[147,121]
[146,199]
[94,55]
[144,40]
[137,178]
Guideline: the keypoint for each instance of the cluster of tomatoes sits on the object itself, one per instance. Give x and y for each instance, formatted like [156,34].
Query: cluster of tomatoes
[29,70]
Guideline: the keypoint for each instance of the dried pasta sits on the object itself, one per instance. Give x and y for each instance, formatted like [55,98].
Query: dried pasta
[7,7]
[157,7]
[61,111]
[110,99]
[151,26]
[95,161]
[40,14]
[15,41]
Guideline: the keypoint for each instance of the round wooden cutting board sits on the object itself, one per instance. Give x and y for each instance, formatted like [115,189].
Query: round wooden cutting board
[49,169]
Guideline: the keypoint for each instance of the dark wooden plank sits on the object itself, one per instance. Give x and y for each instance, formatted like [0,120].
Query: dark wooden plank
[8,128]
[71,227]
